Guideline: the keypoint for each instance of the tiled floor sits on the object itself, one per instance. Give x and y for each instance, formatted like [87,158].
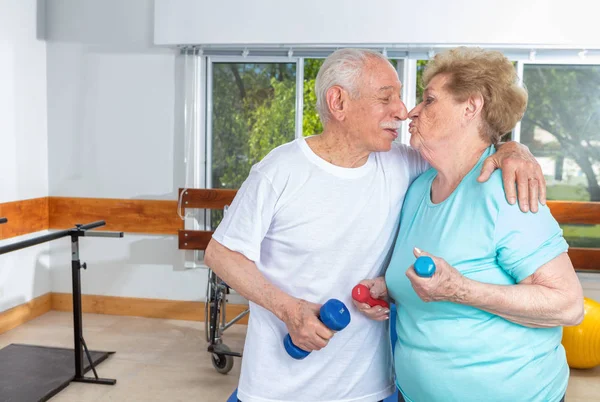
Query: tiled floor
[156,360]
[166,360]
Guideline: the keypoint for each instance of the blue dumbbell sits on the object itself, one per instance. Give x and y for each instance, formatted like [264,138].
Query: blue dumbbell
[424,266]
[334,314]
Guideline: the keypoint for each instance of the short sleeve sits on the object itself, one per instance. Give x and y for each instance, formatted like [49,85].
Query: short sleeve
[249,217]
[526,241]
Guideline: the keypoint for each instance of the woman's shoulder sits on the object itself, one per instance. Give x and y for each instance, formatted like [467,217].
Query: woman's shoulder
[494,194]
[489,191]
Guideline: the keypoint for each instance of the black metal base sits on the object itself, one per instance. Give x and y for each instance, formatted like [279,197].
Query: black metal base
[32,373]
[103,381]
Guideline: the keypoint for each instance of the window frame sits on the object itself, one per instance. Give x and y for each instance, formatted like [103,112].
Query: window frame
[407,70]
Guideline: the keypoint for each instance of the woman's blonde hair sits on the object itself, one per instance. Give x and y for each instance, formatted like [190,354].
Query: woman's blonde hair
[473,70]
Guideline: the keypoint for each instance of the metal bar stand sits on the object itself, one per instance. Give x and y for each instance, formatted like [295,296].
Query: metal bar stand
[76,265]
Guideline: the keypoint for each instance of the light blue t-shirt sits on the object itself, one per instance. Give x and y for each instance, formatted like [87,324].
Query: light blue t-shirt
[450,352]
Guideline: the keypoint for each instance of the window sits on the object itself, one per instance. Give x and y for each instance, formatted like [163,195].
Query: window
[420,68]
[253,111]
[310,118]
[561,127]
[254,104]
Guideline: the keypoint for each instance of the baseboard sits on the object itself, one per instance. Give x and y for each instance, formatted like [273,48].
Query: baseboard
[20,314]
[139,307]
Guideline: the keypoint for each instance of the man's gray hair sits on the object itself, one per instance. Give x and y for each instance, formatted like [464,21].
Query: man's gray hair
[342,68]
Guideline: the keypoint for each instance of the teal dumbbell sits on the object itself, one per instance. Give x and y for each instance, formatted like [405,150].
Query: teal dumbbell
[424,267]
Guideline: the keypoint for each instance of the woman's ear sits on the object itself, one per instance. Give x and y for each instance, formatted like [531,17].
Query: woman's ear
[474,106]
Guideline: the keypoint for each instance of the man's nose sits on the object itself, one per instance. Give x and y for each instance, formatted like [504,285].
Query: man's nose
[400,113]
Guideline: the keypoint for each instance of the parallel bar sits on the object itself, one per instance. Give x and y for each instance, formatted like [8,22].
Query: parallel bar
[79,342]
[48,237]
[194,239]
[207,198]
[92,225]
[32,242]
[103,234]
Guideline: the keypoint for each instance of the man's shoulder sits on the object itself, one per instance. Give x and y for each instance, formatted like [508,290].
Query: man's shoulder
[284,157]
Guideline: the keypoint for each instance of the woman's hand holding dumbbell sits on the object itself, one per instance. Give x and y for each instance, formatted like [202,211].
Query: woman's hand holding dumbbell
[370,298]
[433,279]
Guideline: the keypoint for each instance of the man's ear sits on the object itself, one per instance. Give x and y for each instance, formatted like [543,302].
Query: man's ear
[474,106]
[337,102]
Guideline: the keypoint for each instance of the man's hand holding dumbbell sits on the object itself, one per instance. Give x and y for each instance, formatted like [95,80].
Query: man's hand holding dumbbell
[305,328]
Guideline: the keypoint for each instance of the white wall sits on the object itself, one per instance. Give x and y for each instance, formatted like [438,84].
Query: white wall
[23,142]
[24,274]
[377,22]
[114,112]
[114,129]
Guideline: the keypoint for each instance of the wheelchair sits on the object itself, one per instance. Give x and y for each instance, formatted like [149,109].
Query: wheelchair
[216,290]
[216,325]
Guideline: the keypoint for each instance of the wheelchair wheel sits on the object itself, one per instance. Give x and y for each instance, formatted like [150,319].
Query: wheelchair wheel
[222,363]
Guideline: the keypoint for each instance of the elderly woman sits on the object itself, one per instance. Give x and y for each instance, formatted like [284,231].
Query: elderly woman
[487,325]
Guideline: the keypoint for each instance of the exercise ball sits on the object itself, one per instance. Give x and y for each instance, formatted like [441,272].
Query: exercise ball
[582,342]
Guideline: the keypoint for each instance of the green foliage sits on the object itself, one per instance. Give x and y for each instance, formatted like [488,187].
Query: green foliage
[420,68]
[311,124]
[272,122]
[253,112]
[563,101]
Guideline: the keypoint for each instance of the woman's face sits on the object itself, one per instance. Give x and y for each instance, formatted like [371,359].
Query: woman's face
[437,121]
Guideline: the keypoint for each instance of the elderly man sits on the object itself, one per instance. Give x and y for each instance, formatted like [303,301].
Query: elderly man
[315,217]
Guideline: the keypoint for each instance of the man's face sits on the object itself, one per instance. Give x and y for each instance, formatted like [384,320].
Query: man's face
[374,117]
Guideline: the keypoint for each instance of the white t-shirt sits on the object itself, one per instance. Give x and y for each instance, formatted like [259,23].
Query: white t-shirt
[315,230]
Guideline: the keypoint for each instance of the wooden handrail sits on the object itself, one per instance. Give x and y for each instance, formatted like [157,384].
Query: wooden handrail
[575,212]
[565,212]
[206,198]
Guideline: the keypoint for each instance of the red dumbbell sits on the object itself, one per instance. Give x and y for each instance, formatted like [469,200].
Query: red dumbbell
[361,294]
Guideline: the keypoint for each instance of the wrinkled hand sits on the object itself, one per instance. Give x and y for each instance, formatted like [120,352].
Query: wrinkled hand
[520,166]
[446,284]
[305,328]
[378,290]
